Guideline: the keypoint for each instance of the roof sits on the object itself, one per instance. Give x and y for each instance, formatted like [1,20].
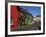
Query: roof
[24,11]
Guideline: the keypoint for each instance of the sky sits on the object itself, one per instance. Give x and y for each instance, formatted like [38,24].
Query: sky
[32,10]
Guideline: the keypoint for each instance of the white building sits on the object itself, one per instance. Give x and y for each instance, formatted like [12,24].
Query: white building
[36,19]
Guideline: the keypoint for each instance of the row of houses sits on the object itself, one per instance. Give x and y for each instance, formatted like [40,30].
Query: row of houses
[24,19]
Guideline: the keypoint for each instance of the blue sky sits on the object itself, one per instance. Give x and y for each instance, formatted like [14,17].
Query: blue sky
[32,10]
